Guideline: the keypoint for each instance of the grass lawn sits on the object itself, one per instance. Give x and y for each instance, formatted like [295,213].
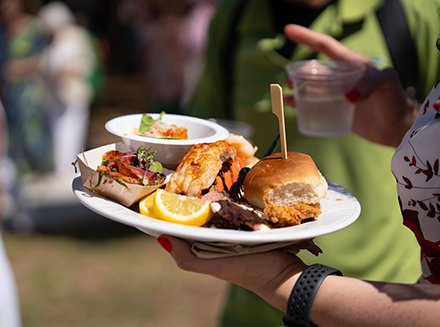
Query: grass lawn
[114,281]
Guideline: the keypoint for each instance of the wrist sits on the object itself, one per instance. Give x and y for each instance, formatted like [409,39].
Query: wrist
[303,294]
[278,290]
[280,298]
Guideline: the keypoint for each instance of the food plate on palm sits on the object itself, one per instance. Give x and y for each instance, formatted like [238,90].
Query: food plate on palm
[339,210]
[221,171]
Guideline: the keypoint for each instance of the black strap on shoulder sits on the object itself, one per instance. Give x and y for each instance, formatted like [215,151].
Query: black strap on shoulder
[403,52]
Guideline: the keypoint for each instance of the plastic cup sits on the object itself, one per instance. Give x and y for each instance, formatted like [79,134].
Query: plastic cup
[319,88]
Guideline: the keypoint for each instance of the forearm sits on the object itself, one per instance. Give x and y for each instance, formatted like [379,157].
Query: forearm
[340,301]
[343,301]
[19,68]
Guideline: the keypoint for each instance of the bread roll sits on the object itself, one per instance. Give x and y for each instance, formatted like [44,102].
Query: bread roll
[285,182]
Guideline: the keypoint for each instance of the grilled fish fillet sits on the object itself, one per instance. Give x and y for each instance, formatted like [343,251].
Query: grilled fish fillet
[199,167]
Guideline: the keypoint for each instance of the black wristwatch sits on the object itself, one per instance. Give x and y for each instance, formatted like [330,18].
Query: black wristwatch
[303,293]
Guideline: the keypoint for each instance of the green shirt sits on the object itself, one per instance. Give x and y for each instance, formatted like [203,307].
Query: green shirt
[377,246]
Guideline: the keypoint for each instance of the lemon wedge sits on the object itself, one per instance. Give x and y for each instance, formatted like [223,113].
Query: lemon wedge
[181,209]
[146,206]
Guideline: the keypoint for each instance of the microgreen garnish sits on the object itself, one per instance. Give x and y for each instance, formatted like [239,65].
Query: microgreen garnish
[145,158]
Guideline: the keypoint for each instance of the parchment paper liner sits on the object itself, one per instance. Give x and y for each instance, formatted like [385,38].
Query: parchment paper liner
[221,250]
[126,195]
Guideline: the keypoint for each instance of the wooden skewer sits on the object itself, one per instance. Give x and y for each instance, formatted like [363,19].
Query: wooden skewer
[276,94]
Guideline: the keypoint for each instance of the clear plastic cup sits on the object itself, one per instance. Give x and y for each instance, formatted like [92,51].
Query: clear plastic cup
[319,94]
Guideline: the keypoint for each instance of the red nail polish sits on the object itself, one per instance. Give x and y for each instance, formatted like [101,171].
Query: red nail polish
[165,243]
[352,95]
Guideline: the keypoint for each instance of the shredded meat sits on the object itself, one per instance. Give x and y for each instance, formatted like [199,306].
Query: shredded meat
[120,170]
[113,155]
[124,170]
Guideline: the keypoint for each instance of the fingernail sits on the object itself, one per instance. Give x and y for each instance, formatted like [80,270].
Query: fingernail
[165,243]
[352,95]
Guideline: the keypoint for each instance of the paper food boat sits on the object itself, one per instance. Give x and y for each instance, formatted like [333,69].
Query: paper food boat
[127,194]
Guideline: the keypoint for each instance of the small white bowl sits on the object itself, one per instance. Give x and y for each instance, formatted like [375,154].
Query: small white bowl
[169,152]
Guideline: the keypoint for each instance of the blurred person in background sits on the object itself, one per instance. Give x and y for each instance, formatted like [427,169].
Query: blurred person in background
[48,95]
[24,90]
[168,38]
[163,53]
[69,64]
[247,51]
[193,37]
[10,315]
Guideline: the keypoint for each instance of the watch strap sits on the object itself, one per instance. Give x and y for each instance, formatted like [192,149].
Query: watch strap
[303,294]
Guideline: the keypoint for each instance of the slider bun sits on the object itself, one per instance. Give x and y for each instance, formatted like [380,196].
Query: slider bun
[285,182]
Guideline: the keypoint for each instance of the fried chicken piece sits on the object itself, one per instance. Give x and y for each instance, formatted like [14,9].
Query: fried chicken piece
[283,216]
[199,168]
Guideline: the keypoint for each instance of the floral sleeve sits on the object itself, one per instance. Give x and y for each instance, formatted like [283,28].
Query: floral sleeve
[415,166]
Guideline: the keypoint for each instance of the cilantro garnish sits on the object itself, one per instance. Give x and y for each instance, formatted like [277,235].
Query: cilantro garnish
[156,167]
[74,165]
[147,122]
[101,174]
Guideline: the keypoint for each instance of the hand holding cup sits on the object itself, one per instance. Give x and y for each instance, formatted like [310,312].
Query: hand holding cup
[319,95]
[383,110]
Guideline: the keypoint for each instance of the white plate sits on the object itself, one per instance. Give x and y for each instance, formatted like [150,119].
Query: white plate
[340,210]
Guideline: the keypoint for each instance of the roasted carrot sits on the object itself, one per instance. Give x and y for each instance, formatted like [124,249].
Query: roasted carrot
[228,175]
[240,162]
